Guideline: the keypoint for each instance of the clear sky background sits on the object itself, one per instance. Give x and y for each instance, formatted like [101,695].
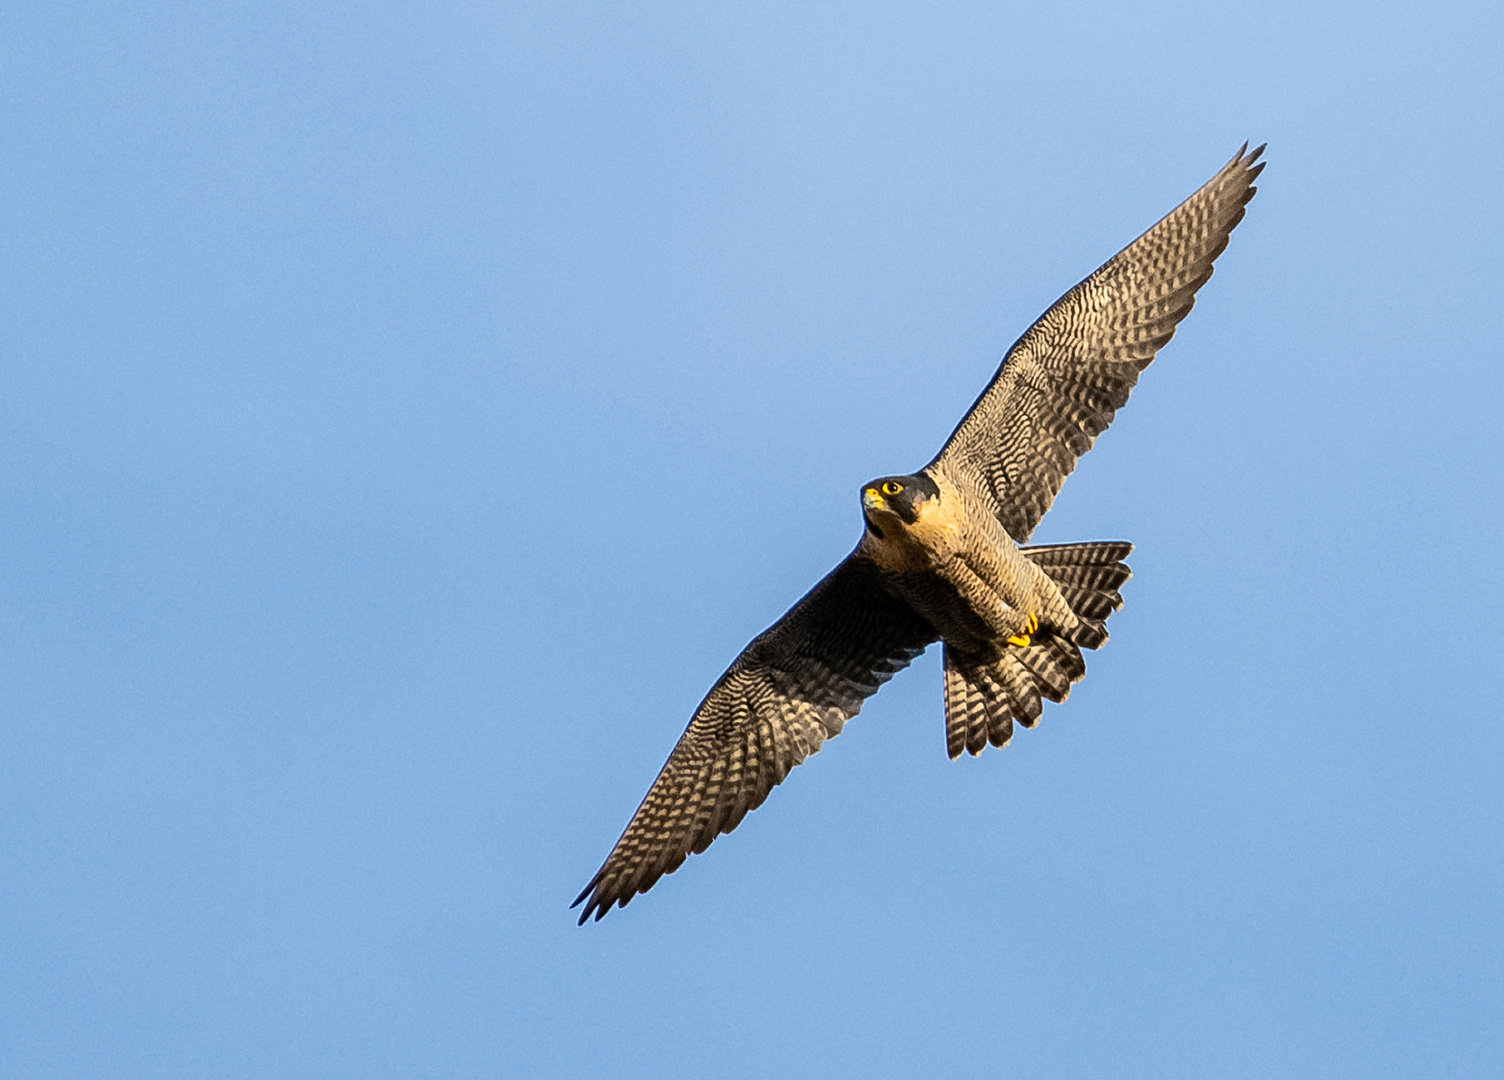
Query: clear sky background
[407,411]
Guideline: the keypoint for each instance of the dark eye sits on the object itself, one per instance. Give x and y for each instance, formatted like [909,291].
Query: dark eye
[892,488]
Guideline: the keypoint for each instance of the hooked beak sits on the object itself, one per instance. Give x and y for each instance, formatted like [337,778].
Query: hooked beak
[872,499]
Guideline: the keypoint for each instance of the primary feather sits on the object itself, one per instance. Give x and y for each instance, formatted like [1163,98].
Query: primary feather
[1062,382]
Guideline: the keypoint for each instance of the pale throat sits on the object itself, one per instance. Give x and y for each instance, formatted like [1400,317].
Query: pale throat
[906,548]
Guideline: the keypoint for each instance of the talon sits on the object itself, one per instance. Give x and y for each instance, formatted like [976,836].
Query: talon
[1022,640]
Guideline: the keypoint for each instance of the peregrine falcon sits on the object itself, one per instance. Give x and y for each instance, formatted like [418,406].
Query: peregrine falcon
[944,556]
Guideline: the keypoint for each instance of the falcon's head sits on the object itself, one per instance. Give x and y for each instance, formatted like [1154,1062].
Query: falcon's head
[895,501]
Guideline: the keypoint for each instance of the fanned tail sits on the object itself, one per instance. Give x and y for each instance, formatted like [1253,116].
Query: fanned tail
[983,698]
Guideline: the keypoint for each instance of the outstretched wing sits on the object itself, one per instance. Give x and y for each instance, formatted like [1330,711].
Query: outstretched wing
[794,686]
[1061,383]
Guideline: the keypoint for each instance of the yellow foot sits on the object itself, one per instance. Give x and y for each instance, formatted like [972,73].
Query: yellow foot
[1022,640]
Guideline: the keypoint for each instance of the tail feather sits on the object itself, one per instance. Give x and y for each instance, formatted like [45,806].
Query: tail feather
[981,704]
[1088,577]
[1090,603]
[966,725]
[984,696]
[1066,657]
[1018,693]
[1091,634]
[1051,679]
[1091,553]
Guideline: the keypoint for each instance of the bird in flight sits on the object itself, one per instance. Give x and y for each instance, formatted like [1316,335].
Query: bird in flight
[944,556]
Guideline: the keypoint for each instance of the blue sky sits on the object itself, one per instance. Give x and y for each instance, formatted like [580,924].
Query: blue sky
[406,413]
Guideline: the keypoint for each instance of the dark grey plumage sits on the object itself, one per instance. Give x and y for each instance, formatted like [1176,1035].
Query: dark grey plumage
[939,560]
[794,686]
[1061,383]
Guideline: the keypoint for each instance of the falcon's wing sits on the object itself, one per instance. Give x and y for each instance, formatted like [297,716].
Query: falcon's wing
[1061,383]
[795,685]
